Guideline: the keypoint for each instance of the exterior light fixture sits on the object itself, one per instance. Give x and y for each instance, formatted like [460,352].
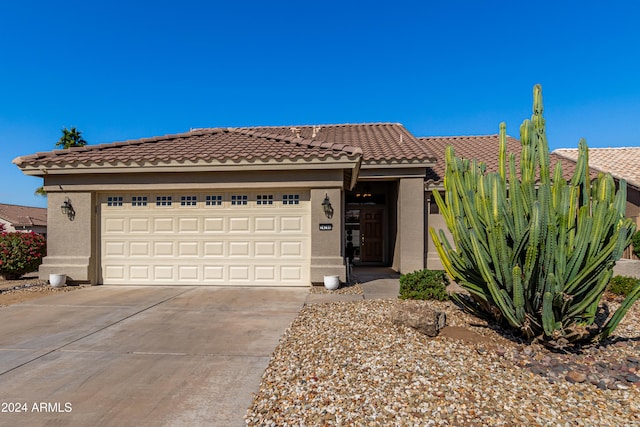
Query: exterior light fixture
[326,206]
[67,209]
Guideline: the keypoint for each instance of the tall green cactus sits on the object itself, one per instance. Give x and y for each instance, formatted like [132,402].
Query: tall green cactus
[534,251]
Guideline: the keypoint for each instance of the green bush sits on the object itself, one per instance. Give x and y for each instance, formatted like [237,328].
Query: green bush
[635,241]
[424,284]
[20,253]
[622,285]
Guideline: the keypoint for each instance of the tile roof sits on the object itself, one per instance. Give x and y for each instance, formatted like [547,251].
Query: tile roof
[380,142]
[484,148]
[23,216]
[218,144]
[621,162]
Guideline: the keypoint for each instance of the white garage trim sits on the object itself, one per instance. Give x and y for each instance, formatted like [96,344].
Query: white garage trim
[231,237]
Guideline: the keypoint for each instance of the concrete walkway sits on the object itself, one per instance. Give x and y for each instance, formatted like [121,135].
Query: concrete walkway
[376,282]
[143,356]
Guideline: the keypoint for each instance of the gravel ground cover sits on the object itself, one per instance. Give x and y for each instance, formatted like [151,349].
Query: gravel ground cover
[345,363]
[27,289]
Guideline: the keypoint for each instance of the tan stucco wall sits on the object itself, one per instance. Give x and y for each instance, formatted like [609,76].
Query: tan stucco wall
[198,180]
[326,246]
[71,243]
[409,247]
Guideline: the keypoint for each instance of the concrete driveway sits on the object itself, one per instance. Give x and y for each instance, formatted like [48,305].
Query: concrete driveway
[145,356]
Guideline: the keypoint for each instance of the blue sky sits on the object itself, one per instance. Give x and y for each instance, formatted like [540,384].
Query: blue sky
[129,69]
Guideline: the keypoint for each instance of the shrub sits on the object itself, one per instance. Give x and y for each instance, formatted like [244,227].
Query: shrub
[635,241]
[424,284]
[20,253]
[534,250]
[622,285]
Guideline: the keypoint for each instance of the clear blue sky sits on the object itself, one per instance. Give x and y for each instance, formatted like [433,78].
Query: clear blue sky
[121,70]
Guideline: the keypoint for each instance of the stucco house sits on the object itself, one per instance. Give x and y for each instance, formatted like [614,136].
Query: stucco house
[253,206]
[23,218]
[236,206]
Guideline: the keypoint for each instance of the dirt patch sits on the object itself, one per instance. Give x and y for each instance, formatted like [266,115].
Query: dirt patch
[26,289]
[462,334]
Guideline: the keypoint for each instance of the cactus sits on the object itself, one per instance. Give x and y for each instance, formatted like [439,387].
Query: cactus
[536,254]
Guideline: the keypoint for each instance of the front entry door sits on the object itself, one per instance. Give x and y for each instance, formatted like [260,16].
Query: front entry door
[371,234]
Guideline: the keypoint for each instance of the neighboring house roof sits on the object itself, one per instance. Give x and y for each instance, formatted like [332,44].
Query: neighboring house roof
[621,162]
[484,148]
[381,143]
[216,145]
[23,216]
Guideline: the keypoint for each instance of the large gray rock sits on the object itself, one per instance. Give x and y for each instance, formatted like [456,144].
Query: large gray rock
[419,317]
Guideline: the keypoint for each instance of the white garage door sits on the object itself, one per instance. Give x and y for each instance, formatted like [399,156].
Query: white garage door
[213,238]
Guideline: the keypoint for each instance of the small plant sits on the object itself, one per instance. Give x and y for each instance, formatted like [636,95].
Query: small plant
[622,285]
[424,285]
[635,241]
[20,253]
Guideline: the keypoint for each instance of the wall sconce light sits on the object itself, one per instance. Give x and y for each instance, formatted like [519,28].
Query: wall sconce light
[326,206]
[67,209]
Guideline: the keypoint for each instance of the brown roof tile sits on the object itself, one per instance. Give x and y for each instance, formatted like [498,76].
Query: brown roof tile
[484,148]
[23,216]
[203,144]
[380,142]
[621,162]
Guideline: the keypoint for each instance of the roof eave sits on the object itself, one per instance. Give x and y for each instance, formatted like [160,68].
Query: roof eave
[338,162]
[398,163]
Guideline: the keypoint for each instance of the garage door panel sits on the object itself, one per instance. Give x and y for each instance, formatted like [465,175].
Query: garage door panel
[163,225]
[239,249]
[163,272]
[139,272]
[139,225]
[163,249]
[214,225]
[213,273]
[188,272]
[188,249]
[239,272]
[291,224]
[213,249]
[291,249]
[291,273]
[113,249]
[137,249]
[239,224]
[203,244]
[265,224]
[265,249]
[188,225]
[114,225]
[264,272]
[114,272]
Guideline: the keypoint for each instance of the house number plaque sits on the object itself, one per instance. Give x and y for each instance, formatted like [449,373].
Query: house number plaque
[326,227]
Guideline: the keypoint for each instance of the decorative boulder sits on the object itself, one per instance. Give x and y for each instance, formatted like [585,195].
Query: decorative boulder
[419,317]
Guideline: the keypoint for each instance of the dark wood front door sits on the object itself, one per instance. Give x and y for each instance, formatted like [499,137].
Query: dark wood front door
[371,234]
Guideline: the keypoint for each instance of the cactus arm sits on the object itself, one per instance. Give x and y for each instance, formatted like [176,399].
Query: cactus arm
[502,154]
[501,300]
[548,319]
[613,322]
[518,295]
